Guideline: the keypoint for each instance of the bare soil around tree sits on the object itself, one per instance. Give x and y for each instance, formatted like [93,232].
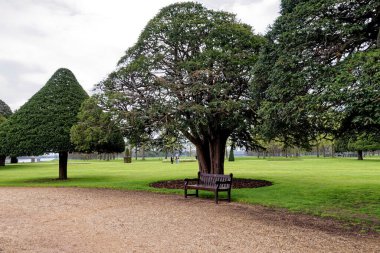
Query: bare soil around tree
[102,220]
[237,183]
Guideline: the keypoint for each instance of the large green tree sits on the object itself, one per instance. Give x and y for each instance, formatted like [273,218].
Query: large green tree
[43,123]
[318,73]
[96,130]
[189,71]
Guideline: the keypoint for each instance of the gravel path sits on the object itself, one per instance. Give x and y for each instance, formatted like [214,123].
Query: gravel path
[97,220]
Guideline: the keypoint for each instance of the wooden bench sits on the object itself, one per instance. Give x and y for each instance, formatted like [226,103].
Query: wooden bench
[210,182]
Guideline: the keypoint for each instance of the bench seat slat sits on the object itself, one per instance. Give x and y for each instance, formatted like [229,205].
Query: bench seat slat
[205,187]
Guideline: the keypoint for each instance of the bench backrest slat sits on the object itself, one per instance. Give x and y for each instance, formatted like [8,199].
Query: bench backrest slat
[210,179]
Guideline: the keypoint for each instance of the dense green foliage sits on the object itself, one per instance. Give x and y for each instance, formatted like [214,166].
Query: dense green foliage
[342,188]
[319,71]
[96,131]
[3,133]
[2,119]
[3,153]
[43,123]
[5,110]
[357,84]
[188,74]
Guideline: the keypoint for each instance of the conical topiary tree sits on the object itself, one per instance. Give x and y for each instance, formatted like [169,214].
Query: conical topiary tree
[231,157]
[127,157]
[43,123]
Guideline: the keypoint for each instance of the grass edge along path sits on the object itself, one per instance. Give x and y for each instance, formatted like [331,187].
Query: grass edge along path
[340,188]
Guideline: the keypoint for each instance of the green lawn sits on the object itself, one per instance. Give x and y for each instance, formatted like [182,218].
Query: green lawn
[346,189]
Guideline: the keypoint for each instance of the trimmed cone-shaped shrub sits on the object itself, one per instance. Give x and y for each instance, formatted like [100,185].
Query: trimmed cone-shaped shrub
[43,124]
[231,157]
[127,157]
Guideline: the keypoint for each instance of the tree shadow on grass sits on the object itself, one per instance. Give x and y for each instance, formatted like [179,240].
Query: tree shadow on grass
[21,166]
[284,159]
[87,179]
[376,160]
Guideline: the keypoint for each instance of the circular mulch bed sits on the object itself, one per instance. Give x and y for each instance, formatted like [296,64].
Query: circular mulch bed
[237,183]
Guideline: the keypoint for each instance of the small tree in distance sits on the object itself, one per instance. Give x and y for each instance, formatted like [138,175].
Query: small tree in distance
[43,123]
[96,131]
[364,142]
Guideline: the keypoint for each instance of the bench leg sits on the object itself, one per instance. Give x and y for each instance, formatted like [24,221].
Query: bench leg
[216,197]
[196,193]
[229,195]
[185,192]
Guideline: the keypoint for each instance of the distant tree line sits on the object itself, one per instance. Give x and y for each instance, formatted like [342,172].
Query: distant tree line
[203,76]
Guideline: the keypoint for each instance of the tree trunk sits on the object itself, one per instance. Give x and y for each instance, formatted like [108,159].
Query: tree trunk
[360,154]
[63,156]
[2,160]
[203,155]
[217,147]
[211,152]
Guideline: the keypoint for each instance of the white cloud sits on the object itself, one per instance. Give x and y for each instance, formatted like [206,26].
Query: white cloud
[88,37]
[258,13]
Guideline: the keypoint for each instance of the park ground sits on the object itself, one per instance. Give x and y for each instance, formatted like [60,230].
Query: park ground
[314,205]
[104,220]
[340,188]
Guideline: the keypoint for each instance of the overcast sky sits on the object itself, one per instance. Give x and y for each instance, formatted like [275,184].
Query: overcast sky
[88,37]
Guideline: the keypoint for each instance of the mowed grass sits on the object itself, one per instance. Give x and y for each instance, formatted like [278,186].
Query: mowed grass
[342,188]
